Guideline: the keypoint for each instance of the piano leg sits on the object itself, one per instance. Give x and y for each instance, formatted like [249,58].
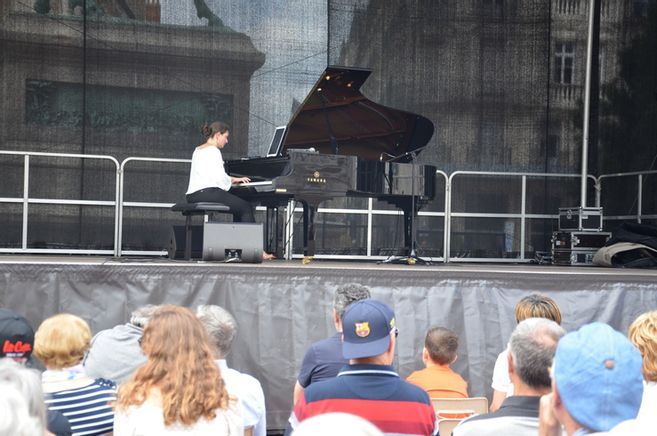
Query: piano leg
[273,232]
[309,210]
[410,207]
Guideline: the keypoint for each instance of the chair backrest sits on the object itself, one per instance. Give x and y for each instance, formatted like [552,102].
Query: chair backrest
[446,425]
[459,407]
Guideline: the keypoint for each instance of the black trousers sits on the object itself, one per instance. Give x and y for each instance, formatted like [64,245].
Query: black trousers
[241,209]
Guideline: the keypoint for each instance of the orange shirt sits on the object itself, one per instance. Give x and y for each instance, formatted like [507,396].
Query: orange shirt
[440,382]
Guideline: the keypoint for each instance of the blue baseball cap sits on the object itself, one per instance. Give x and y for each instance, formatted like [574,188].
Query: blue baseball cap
[597,371]
[366,327]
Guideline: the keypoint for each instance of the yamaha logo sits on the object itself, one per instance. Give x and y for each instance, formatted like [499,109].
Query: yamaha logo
[316,178]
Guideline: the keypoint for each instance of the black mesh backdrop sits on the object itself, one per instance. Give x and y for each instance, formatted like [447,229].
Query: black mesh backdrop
[138,78]
[501,80]
[503,83]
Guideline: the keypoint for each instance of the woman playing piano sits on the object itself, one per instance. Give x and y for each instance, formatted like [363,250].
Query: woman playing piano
[208,181]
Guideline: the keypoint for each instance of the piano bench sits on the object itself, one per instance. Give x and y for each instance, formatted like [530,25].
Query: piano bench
[190,209]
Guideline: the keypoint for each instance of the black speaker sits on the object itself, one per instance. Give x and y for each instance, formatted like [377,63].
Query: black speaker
[228,242]
[177,242]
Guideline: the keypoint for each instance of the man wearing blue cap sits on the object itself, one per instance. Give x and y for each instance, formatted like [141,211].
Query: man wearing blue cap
[369,386]
[596,383]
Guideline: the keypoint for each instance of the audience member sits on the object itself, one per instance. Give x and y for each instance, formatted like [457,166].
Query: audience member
[222,329]
[27,384]
[369,386]
[17,339]
[437,378]
[324,358]
[115,353]
[331,424]
[531,306]
[179,390]
[60,343]
[643,335]
[532,347]
[16,336]
[15,419]
[596,382]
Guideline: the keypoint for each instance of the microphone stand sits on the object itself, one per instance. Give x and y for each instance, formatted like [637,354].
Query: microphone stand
[411,258]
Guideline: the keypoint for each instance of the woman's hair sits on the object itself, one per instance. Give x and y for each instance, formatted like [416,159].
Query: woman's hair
[61,341]
[180,365]
[643,334]
[211,129]
[537,306]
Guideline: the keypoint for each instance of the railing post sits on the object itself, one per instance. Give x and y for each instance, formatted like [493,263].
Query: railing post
[523,206]
[118,232]
[369,226]
[26,197]
[448,219]
[639,201]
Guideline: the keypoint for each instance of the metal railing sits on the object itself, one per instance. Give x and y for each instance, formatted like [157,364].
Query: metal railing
[25,200]
[370,212]
[640,178]
[122,204]
[523,216]
[119,204]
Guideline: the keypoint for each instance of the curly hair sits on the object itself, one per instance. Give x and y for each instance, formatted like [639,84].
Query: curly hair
[180,365]
[643,334]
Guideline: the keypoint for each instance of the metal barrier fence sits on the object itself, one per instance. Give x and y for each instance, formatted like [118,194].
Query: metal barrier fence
[25,200]
[640,177]
[370,212]
[449,213]
[522,215]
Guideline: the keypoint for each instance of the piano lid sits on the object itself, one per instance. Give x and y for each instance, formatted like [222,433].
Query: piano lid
[336,118]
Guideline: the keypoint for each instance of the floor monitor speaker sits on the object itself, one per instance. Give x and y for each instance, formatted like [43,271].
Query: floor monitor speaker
[233,242]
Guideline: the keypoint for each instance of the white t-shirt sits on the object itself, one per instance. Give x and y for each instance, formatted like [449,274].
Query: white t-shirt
[148,420]
[207,170]
[501,380]
[251,398]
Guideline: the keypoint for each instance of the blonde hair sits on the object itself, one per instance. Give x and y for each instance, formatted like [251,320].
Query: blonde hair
[643,334]
[61,341]
[180,365]
[537,306]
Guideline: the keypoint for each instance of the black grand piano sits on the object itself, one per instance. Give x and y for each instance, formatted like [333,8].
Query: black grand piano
[339,143]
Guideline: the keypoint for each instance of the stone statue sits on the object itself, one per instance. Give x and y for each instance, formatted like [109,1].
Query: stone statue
[203,11]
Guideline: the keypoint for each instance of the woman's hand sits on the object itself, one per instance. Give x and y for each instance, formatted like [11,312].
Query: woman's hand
[238,180]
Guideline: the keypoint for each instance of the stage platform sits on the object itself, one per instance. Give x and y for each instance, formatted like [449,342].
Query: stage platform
[283,306]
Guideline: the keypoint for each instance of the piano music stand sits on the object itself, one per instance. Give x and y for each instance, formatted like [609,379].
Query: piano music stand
[411,258]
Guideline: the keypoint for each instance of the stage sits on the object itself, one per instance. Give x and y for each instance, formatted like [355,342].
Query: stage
[282,306]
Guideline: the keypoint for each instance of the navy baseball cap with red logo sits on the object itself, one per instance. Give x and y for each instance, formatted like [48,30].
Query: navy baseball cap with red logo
[366,328]
[16,335]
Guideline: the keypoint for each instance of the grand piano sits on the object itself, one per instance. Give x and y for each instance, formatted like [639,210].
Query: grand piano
[339,143]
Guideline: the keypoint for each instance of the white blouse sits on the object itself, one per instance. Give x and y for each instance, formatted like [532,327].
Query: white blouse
[207,170]
[148,420]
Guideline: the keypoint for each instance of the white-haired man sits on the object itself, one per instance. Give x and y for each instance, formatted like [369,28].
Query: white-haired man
[222,328]
[531,350]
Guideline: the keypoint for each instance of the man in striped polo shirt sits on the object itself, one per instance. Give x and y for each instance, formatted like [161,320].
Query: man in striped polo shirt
[369,386]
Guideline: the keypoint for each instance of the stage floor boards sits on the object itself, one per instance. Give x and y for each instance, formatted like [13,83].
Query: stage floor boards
[284,306]
[318,264]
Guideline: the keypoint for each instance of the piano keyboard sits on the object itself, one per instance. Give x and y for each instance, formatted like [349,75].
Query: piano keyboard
[246,185]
